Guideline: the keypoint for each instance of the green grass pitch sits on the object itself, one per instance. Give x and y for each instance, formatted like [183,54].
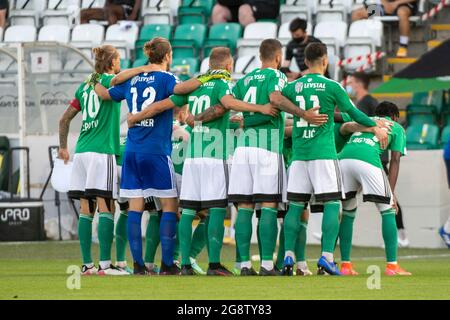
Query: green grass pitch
[38,271]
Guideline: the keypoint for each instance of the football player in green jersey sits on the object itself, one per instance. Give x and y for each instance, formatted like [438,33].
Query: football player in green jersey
[257,171]
[315,168]
[94,175]
[361,168]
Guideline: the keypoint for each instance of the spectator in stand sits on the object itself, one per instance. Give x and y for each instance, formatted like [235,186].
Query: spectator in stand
[401,8]
[357,87]
[296,47]
[244,11]
[113,11]
[4,5]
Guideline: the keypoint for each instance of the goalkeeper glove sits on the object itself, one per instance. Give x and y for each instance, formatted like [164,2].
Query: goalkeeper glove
[214,74]
[93,79]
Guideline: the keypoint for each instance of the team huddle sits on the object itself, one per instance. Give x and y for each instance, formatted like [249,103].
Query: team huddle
[203,147]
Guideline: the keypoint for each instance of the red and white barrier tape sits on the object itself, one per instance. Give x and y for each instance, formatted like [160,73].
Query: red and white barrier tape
[435,10]
[369,58]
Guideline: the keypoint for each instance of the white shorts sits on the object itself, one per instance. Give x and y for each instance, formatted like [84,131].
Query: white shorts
[178,179]
[257,175]
[321,178]
[204,184]
[358,174]
[93,175]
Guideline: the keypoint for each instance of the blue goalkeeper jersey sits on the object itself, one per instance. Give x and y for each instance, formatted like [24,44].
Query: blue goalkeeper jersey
[152,136]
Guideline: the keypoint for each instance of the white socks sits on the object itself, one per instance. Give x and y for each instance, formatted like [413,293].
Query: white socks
[289,254]
[105,264]
[267,264]
[404,40]
[328,255]
[301,265]
[246,264]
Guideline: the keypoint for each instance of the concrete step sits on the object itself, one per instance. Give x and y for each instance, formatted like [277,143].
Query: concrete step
[433,44]
[440,31]
[396,64]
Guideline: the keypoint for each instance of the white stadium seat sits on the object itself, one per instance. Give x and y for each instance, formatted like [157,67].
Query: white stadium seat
[284,35]
[244,65]
[20,34]
[61,12]
[333,34]
[54,33]
[156,12]
[253,34]
[87,36]
[336,12]
[89,4]
[205,65]
[123,36]
[290,12]
[25,12]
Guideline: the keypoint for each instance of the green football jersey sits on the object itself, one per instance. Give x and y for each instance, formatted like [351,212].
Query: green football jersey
[179,151]
[364,146]
[119,157]
[311,142]
[260,130]
[208,140]
[339,139]
[100,128]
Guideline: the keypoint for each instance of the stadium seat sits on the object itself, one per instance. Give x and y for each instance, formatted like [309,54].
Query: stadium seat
[20,33]
[445,136]
[245,65]
[222,35]
[333,34]
[284,35]
[123,37]
[54,33]
[88,4]
[140,62]
[125,64]
[25,12]
[195,11]
[445,114]
[435,98]
[184,67]
[87,36]
[418,114]
[422,137]
[188,39]
[150,31]
[156,12]
[4,163]
[364,37]
[300,9]
[60,12]
[254,33]
[331,12]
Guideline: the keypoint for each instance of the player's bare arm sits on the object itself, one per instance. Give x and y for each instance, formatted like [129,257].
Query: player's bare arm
[229,102]
[102,92]
[150,111]
[394,169]
[127,74]
[64,126]
[379,132]
[311,116]
[209,114]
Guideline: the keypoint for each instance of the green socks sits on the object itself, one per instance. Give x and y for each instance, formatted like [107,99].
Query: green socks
[216,231]
[151,237]
[346,234]
[243,233]
[389,228]
[330,227]
[198,239]
[105,237]
[300,248]
[185,235]
[280,256]
[85,236]
[292,227]
[268,232]
[121,237]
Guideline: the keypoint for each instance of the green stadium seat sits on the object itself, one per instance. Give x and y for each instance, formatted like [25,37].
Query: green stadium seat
[185,68]
[422,137]
[445,136]
[125,64]
[4,163]
[140,62]
[149,32]
[188,40]
[195,11]
[223,35]
[434,98]
[418,114]
[445,114]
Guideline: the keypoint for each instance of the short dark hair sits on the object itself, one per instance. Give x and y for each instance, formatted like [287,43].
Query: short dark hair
[362,77]
[219,57]
[269,49]
[156,49]
[315,51]
[387,109]
[298,23]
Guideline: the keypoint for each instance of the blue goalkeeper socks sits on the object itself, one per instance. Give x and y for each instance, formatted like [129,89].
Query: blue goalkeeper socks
[135,236]
[167,233]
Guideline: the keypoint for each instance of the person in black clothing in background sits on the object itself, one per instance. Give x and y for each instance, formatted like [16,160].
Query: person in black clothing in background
[296,48]
[357,87]
[244,11]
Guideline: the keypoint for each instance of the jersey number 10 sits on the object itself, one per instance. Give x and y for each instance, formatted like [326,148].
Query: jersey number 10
[92,105]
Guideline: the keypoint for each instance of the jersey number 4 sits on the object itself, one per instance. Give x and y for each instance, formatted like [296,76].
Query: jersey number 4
[302,103]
